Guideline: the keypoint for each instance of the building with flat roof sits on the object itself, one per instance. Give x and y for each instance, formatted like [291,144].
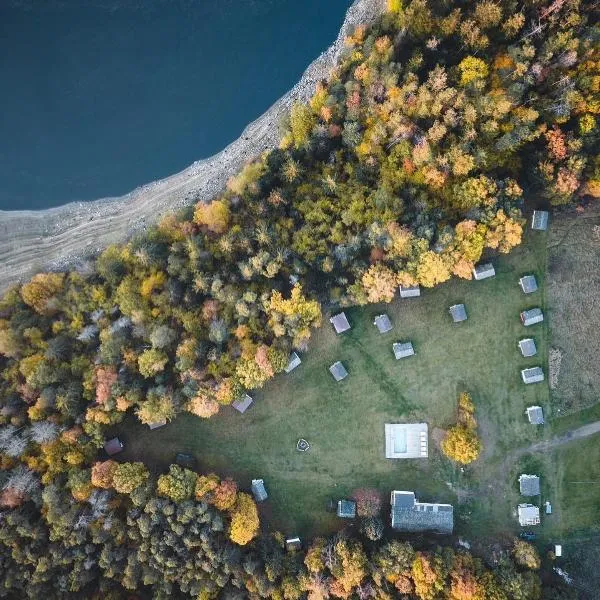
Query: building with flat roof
[528,515]
[346,509]
[258,490]
[340,322]
[539,220]
[338,371]
[383,323]
[408,514]
[410,291]
[406,440]
[242,404]
[527,347]
[458,312]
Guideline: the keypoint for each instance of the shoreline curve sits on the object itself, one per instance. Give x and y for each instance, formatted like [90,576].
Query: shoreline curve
[64,236]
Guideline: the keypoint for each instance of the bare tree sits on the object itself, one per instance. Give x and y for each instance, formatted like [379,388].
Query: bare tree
[43,432]
[22,480]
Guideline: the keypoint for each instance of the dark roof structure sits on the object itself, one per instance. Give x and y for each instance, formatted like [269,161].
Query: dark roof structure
[458,312]
[346,509]
[187,461]
[528,284]
[529,485]
[527,347]
[532,375]
[242,404]
[484,271]
[535,414]
[293,362]
[532,316]
[157,424]
[338,371]
[410,515]
[403,349]
[340,322]
[410,291]
[113,446]
[258,490]
[539,221]
[383,323]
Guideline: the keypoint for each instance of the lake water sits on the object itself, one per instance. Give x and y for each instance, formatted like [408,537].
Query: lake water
[100,96]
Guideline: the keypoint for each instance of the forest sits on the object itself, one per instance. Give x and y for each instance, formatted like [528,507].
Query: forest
[441,126]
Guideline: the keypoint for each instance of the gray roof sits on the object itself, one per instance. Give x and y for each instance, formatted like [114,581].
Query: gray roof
[527,347]
[383,323]
[340,322]
[532,375]
[528,515]
[458,312]
[529,485]
[185,460]
[535,414]
[258,489]
[113,446]
[157,424]
[346,509]
[528,284]
[410,291]
[413,516]
[293,363]
[293,543]
[338,371]
[539,220]
[242,404]
[484,271]
[402,350]
[532,316]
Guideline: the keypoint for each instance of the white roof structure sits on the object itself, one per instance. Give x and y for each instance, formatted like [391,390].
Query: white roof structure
[293,363]
[539,221]
[529,485]
[532,316]
[338,371]
[528,515]
[528,284]
[293,543]
[157,424]
[557,550]
[548,507]
[527,347]
[484,271]
[383,323]
[242,404]
[258,490]
[340,322]
[458,312]
[532,375]
[410,291]
[402,350]
[406,440]
[535,414]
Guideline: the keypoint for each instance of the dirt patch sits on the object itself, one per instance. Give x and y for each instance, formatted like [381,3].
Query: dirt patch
[573,298]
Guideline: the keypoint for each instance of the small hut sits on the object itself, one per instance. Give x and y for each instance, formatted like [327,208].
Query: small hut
[529,485]
[346,509]
[532,375]
[383,323]
[258,490]
[532,316]
[527,347]
[338,371]
[535,414]
[293,544]
[293,362]
[187,461]
[528,284]
[528,515]
[410,291]
[157,424]
[340,322]
[113,446]
[484,271]
[402,350]
[539,221]
[242,404]
[458,312]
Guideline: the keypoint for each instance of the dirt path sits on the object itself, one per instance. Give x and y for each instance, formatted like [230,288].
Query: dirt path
[53,239]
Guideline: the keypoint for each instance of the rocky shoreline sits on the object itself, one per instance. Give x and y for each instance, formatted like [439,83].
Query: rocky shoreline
[61,237]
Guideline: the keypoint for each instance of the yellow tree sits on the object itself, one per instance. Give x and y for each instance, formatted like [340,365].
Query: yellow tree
[244,520]
[380,283]
[215,215]
[432,269]
[40,291]
[461,444]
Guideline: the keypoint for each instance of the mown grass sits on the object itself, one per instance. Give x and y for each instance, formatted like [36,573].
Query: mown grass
[344,422]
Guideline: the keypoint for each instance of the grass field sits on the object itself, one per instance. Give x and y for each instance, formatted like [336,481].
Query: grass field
[344,422]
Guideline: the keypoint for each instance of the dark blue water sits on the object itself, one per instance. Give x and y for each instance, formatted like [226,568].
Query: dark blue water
[100,96]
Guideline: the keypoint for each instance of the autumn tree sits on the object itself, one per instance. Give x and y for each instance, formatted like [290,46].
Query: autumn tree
[244,520]
[40,292]
[103,474]
[178,484]
[214,215]
[128,476]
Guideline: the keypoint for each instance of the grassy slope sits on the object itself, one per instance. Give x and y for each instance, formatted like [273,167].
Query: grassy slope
[344,421]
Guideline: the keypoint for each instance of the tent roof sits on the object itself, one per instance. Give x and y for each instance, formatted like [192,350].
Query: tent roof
[529,485]
[258,489]
[458,312]
[403,349]
[539,220]
[293,362]
[113,446]
[346,509]
[535,415]
[410,291]
[528,284]
[242,404]
[383,323]
[340,322]
[527,347]
[484,271]
[338,371]
[532,375]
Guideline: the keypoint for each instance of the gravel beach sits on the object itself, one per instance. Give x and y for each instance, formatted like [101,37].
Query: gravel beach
[57,238]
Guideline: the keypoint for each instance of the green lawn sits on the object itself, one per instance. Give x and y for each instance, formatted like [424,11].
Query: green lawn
[344,422]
